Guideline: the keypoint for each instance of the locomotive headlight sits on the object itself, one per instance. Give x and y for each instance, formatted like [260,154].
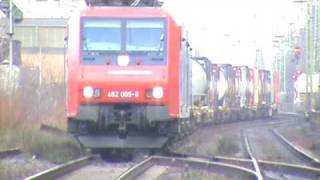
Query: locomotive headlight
[123,60]
[88,92]
[157,92]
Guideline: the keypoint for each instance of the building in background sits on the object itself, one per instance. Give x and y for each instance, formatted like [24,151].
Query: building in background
[42,34]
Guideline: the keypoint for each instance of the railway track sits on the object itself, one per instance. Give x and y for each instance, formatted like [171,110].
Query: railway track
[252,157]
[87,167]
[141,169]
[252,167]
[246,163]
[276,120]
[302,153]
[218,165]
[61,170]
[154,166]
[281,170]
[263,169]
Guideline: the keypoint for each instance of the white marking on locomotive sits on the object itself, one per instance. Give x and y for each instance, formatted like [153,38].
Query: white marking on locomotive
[130,72]
[123,94]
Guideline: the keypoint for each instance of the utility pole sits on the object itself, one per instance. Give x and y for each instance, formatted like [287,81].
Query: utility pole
[283,67]
[11,31]
[285,57]
[309,57]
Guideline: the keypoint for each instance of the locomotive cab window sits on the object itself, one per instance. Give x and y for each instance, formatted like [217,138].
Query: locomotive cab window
[101,35]
[103,40]
[145,35]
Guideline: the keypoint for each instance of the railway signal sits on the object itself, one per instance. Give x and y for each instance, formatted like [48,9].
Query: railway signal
[297,53]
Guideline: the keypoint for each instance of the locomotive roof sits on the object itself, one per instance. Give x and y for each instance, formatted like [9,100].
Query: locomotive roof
[119,12]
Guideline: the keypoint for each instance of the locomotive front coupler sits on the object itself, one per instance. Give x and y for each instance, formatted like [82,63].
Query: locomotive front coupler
[122,128]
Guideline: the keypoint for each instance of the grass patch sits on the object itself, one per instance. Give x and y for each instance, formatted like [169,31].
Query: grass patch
[228,145]
[305,129]
[200,175]
[54,148]
[188,148]
[1,171]
[10,140]
[245,176]
[315,146]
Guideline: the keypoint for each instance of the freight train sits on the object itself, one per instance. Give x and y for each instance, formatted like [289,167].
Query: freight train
[132,83]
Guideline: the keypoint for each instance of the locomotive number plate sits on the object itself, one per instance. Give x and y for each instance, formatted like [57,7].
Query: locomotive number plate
[123,94]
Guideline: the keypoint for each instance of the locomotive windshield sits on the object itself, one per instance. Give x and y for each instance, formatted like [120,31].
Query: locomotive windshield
[102,35]
[104,39]
[145,35]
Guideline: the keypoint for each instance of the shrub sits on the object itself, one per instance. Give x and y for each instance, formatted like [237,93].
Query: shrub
[55,148]
[1,171]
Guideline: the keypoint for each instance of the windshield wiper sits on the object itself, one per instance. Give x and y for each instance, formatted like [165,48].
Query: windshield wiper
[161,44]
[85,44]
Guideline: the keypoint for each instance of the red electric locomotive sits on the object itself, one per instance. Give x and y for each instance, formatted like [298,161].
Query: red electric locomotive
[128,79]
[131,82]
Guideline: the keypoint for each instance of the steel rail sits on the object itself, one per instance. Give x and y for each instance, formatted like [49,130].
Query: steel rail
[284,168]
[257,122]
[251,156]
[136,170]
[10,152]
[307,156]
[61,170]
[217,167]
[223,159]
[274,123]
[233,160]
[292,169]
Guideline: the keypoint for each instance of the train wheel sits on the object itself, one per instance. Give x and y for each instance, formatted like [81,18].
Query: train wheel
[252,115]
[162,128]
[242,115]
[220,118]
[228,117]
[215,118]
[247,115]
[307,116]
[182,128]
[173,128]
[270,112]
[233,117]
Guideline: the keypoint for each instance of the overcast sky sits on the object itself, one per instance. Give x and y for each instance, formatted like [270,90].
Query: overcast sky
[230,31]
[227,31]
